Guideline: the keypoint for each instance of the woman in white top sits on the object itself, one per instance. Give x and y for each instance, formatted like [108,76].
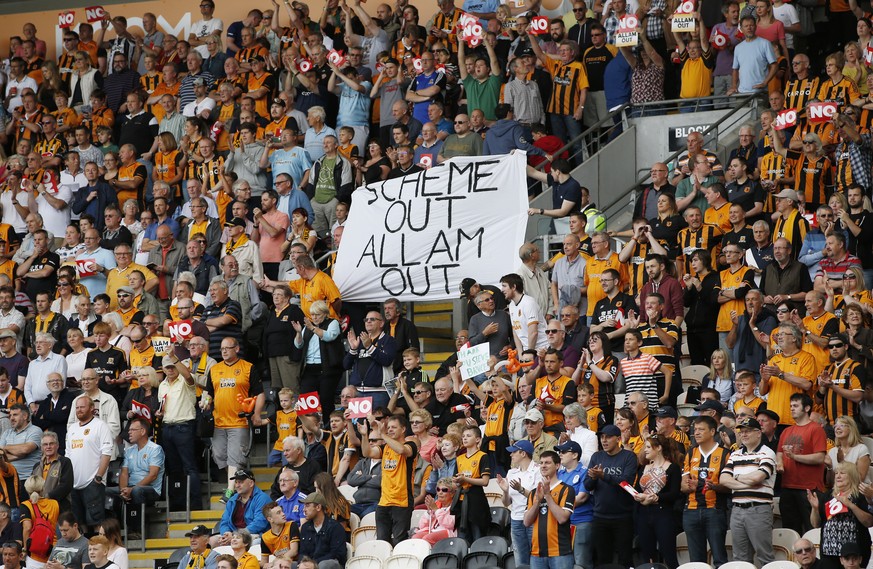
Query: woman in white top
[66,303]
[131,217]
[720,376]
[76,358]
[111,530]
[72,245]
[121,342]
[848,447]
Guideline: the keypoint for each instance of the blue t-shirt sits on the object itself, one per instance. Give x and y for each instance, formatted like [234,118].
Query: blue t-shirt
[752,58]
[576,479]
[482,7]
[426,157]
[97,284]
[422,81]
[294,162]
[354,106]
[617,82]
[139,461]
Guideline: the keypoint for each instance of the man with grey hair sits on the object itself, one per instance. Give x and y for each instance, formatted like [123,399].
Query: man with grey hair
[788,372]
[41,367]
[490,325]
[194,61]
[242,289]
[294,454]
[223,317]
[330,178]
[21,442]
[749,337]
[568,278]
[291,500]
[536,282]
[403,331]
[313,141]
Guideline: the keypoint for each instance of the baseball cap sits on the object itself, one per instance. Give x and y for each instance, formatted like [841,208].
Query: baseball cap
[534,415]
[243,474]
[527,52]
[315,498]
[235,222]
[850,549]
[787,193]
[522,445]
[259,58]
[750,423]
[609,431]
[199,530]
[125,289]
[709,404]
[570,446]
[167,361]
[199,81]
[278,101]
[466,285]
[665,412]
[8,334]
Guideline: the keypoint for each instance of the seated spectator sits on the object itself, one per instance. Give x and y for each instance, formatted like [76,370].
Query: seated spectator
[98,554]
[252,499]
[200,555]
[321,537]
[283,537]
[71,549]
[240,542]
[22,442]
[56,470]
[142,472]
[439,521]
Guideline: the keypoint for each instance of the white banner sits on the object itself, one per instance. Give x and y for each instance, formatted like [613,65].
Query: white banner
[474,360]
[418,237]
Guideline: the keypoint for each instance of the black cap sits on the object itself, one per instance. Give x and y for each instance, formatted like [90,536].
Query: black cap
[527,52]
[243,474]
[235,222]
[710,404]
[665,412]
[850,549]
[199,530]
[278,101]
[257,58]
[466,285]
[841,337]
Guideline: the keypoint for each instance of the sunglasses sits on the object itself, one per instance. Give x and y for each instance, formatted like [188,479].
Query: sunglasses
[833,346]
[782,310]
[804,550]
[552,331]
[443,490]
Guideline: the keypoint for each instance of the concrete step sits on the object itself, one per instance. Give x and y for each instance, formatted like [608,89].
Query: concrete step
[167,543]
[433,319]
[146,559]
[206,516]
[436,357]
[178,530]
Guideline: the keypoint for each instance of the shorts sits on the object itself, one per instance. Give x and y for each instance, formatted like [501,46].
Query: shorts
[595,108]
[230,447]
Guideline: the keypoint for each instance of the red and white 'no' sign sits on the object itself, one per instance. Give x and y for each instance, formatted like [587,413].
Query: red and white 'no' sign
[308,403]
[140,409]
[180,330]
[360,407]
[95,14]
[66,19]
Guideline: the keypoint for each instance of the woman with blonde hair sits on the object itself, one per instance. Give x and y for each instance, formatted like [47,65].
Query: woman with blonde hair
[83,81]
[720,376]
[420,422]
[438,522]
[854,292]
[38,507]
[848,447]
[51,84]
[130,220]
[842,516]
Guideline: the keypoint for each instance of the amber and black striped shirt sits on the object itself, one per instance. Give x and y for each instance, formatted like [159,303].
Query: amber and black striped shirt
[568,83]
[550,538]
[812,177]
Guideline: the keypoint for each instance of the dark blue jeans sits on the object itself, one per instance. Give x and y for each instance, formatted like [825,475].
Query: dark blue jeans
[702,526]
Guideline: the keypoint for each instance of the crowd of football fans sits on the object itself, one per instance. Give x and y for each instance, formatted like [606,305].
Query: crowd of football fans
[169,208]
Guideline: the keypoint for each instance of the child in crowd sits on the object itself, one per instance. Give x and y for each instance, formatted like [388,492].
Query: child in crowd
[594,415]
[286,425]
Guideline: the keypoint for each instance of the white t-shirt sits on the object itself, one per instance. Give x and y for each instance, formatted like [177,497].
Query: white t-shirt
[73,183]
[524,313]
[194,108]
[787,14]
[86,444]
[56,220]
[203,28]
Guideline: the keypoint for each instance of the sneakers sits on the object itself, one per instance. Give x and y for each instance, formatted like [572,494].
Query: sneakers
[228,494]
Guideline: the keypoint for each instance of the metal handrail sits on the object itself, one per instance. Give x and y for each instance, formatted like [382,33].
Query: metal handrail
[742,104]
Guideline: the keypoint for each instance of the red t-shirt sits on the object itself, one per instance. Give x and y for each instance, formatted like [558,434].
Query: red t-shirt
[808,439]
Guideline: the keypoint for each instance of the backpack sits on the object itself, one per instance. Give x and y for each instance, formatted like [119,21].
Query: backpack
[42,536]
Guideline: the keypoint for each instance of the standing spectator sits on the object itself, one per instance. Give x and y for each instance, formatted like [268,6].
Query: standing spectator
[858,223]
[595,267]
[568,277]
[548,513]
[371,354]
[528,321]
[646,205]
[178,418]
[697,64]
[801,460]
[394,511]
[748,331]
[228,379]
[845,529]
[490,325]
[223,318]
[119,83]
[53,412]
[535,281]
[403,331]
[89,448]
[613,509]
[204,28]
[705,515]
[754,62]
[750,474]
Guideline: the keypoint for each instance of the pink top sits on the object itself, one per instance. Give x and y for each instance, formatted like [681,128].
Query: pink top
[774,32]
[271,247]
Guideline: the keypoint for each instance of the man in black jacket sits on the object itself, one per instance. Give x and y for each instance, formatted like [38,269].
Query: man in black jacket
[321,537]
[403,331]
[56,470]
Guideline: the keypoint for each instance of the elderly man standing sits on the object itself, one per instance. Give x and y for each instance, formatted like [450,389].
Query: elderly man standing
[311,286]
[568,278]
[535,281]
[178,418]
[490,325]
[163,260]
[21,442]
[403,331]
[40,369]
[750,474]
